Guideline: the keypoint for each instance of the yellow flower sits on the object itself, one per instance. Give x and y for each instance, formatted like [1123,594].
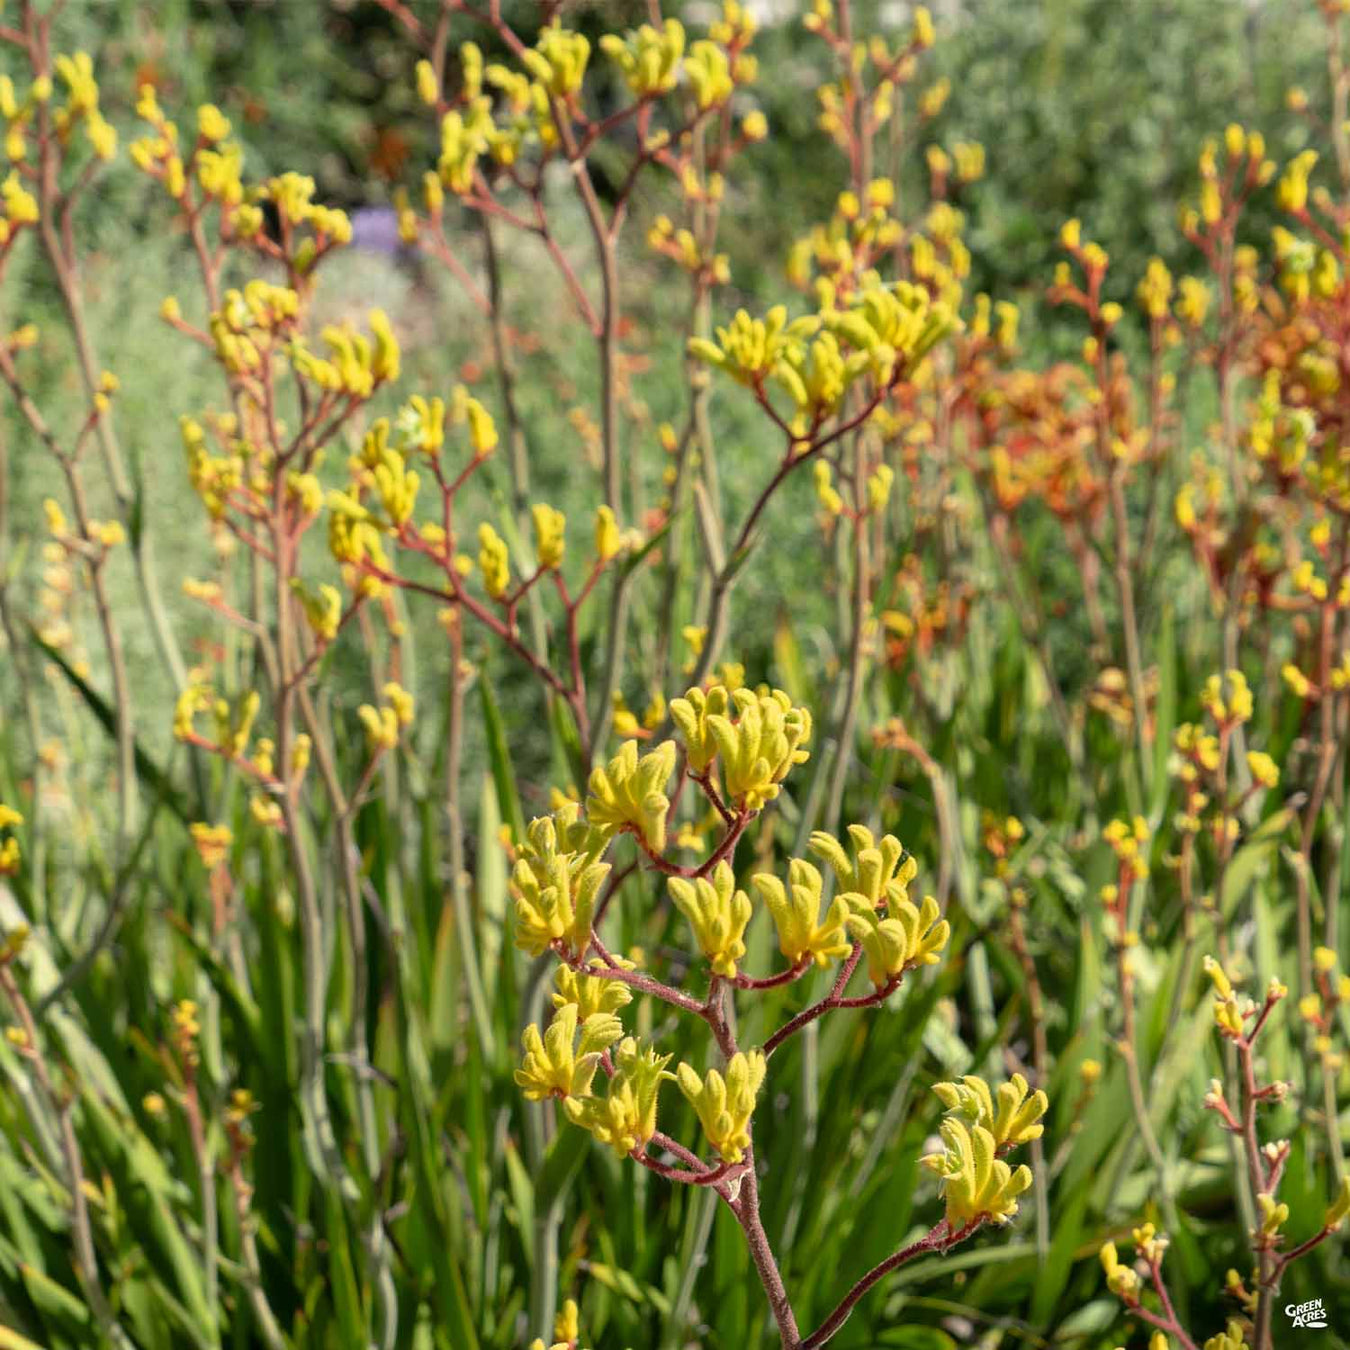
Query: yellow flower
[1273,1214]
[717,912]
[725,1105]
[648,58]
[801,934]
[976,1184]
[691,713]
[554,1065]
[493,561]
[213,843]
[591,993]
[1263,768]
[550,541]
[757,750]
[1121,1280]
[625,1117]
[1292,190]
[557,880]
[749,349]
[608,540]
[211,122]
[628,793]
[1231,1339]
[906,937]
[427,86]
[879,869]
[1010,1115]
[558,60]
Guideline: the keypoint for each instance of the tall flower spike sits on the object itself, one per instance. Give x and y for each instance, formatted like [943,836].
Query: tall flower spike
[718,914]
[625,1118]
[801,933]
[757,750]
[1010,1115]
[556,890]
[878,870]
[628,793]
[725,1106]
[976,1184]
[906,937]
[554,1065]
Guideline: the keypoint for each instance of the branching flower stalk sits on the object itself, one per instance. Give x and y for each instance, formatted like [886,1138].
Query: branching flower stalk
[1239,1022]
[737,748]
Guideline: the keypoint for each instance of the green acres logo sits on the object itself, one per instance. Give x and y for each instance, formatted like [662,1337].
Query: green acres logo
[1309,1314]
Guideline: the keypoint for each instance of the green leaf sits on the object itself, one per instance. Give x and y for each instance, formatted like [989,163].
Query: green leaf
[499,757]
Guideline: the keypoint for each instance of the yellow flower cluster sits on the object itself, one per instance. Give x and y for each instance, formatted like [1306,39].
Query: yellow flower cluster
[725,1104]
[795,909]
[976,1183]
[629,794]
[566,1330]
[9,845]
[81,106]
[234,726]
[18,115]
[717,912]
[1011,1115]
[384,723]
[557,880]
[625,1117]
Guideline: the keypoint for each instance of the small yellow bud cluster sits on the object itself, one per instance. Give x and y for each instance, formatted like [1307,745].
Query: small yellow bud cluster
[186,1031]
[628,794]
[322,608]
[558,60]
[1229,704]
[81,106]
[1011,1115]
[494,561]
[625,1117]
[896,935]
[648,59]
[1126,840]
[18,115]
[9,845]
[1121,1280]
[1321,1010]
[1155,290]
[1230,1013]
[212,843]
[355,364]
[795,909]
[682,247]
[566,1330]
[757,737]
[20,205]
[1232,1338]
[384,724]
[1292,189]
[555,1064]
